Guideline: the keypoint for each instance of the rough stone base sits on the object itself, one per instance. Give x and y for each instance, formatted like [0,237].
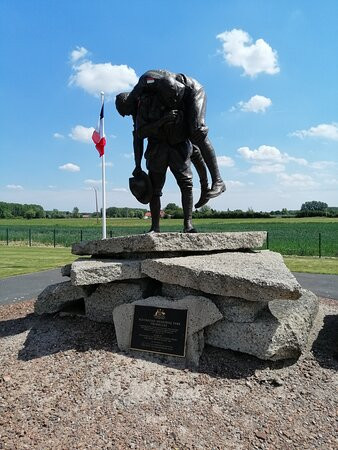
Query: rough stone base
[172,242]
[278,333]
[100,305]
[260,276]
[238,310]
[57,296]
[101,271]
[233,309]
[201,313]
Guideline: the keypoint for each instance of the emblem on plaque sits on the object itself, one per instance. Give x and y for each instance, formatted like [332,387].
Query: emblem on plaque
[159,314]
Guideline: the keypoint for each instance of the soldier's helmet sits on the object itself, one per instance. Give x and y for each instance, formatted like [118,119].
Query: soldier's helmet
[124,106]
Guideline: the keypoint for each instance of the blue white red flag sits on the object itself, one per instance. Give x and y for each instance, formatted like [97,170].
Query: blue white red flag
[98,136]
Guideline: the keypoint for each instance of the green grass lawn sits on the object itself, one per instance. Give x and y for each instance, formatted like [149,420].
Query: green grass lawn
[21,260]
[312,264]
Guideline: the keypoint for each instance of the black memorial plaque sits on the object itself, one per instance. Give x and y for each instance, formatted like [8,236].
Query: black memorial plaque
[159,330]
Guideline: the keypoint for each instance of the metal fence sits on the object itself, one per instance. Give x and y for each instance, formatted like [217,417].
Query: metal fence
[284,240]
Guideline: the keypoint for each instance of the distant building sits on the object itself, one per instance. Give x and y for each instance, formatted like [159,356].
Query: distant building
[147,215]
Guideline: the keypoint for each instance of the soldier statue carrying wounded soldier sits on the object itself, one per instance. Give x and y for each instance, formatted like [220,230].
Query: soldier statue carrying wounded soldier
[169,110]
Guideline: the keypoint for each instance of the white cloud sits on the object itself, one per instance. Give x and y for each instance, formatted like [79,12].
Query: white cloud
[93,182]
[108,164]
[267,168]
[51,186]
[14,187]
[128,155]
[107,77]
[269,153]
[240,51]
[82,134]
[70,167]
[322,165]
[256,104]
[263,153]
[58,136]
[331,181]
[324,130]
[233,184]
[78,53]
[225,161]
[120,190]
[296,180]
[300,161]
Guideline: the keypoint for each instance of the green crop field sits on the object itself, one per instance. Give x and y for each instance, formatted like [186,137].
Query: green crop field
[301,236]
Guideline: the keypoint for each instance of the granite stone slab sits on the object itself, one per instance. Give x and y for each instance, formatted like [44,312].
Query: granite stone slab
[177,291]
[99,271]
[281,332]
[260,276]
[172,242]
[65,270]
[54,297]
[238,310]
[100,305]
[233,309]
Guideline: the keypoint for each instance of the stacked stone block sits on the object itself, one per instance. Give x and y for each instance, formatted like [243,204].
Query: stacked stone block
[238,297]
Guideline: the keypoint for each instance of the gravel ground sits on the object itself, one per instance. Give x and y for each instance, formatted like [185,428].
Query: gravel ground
[65,385]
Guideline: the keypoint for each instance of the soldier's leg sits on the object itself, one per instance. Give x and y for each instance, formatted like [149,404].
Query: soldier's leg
[184,181]
[199,136]
[157,181]
[199,164]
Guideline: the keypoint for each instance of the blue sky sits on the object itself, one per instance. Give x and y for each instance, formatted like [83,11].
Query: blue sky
[269,69]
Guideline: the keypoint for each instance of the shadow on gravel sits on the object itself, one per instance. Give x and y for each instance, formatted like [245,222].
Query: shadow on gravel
[325,347]
[16,326]
[52,334]
[221,363]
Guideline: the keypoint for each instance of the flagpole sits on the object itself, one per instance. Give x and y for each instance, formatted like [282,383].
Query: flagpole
[104,227]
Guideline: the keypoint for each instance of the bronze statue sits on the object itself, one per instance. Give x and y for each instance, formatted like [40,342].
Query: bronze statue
[180,92]
[171,116]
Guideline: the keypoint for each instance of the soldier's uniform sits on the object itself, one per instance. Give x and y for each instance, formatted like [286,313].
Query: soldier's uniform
[181,92]
[168,145]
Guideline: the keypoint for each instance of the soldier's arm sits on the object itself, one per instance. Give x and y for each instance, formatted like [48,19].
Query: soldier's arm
[152,129]
[138,150]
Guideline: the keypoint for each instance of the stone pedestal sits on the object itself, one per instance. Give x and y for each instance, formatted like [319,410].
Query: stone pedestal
[238,297]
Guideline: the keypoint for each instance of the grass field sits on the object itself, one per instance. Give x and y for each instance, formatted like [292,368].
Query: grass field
[287,236]
[139,223]
[312,264]
[21,260]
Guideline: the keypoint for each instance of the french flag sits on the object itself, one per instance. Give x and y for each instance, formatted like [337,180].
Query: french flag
[98,136]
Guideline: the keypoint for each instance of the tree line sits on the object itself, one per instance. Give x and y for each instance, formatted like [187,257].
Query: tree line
[31,211]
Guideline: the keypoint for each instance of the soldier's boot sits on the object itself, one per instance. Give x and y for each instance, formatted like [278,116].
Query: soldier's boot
[187,202]
[155,209]
[209,156]
[201,169]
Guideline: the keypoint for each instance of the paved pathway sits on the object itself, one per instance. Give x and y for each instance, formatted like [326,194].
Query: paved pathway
[322,285]
[24,287]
